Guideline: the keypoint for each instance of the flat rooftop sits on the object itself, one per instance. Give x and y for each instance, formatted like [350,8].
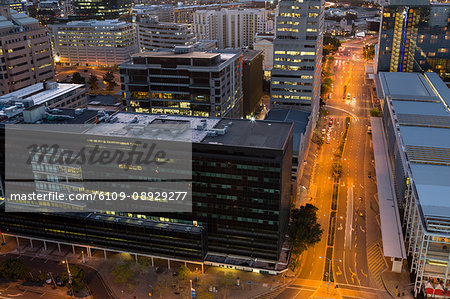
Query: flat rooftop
[422,115]
[171,54]
[38,94]
[248,133]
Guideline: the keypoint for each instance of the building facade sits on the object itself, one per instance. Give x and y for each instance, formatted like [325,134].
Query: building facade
[152,34]
[416,119]
[252,81]
[297,59]
[94,43]
[184,82]
[264,42]
[414,38]
[240,195]
[25,51]
[99,10]
[232,28]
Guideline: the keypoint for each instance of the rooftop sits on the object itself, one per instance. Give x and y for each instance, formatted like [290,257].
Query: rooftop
[299,118]
[171,54]
[94,23]
[421,106]
[40,93]
[251,54]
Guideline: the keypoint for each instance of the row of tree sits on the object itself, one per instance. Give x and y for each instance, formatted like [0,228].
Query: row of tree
[108,78]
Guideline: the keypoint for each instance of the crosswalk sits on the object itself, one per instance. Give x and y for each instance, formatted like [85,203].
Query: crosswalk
[377,263]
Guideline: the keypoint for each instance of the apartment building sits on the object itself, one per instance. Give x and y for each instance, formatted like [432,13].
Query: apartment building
[232,28]
[184,81]
[25,51]
[94,43]
[152,34]
[297,59]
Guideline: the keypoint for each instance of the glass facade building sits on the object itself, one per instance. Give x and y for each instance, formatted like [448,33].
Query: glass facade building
[415,37]
[241,192]
[99,10]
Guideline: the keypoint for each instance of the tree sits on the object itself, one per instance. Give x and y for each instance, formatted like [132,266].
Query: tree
[77,79]
[375,112]
[93,82]
[304,230]
[13,268]
[369,52]
[330,45]
[326,86]
[184,273]
[108,77]
[78,275]
[122,273]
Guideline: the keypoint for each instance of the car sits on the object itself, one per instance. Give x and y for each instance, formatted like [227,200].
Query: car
[348,96]
[354,99]
[369,130]
[48,281]
[361,213]
[323,131]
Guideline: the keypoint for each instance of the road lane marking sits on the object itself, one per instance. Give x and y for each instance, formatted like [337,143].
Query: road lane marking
[362,229]
[349,220]
[363,273]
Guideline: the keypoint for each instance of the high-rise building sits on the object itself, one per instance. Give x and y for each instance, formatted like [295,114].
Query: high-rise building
[264,42]
[414,37]
[297,59]
[153,34]
[184,82]
[99,10]
[232,28]
[94,43]
[25,51]
[241,191]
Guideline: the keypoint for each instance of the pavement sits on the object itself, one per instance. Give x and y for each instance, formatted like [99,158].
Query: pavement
[398,285]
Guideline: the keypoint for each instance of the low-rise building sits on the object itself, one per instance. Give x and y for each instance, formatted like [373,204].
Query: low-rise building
[184,81]
[94,43]
[264,42]
[50,95]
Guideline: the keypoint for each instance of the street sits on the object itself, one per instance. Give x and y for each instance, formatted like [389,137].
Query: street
[356,259]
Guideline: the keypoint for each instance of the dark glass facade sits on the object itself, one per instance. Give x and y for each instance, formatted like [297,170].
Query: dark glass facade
[240,203]
[415,39]
[100,10]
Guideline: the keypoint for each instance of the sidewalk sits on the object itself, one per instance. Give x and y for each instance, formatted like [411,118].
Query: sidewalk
[397,284]
[159,281]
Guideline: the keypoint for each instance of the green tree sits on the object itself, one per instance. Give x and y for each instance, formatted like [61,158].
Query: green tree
[93,82]
[330,45]
[184,273]
[326,86]
[375,112]
[77,78]
[304,230]
[108,77]
[369,52]
[78,275]
[13,268]
[122,273]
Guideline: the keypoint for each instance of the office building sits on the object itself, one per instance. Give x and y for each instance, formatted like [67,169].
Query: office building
[25,50]
[184,82]
[264,42]
[178,13]
[414,38]
[416,123]
[99,10]
[240,194]
[47,94]
[232,28]
[94,43]
[153,34]
[297,59]
[252,81]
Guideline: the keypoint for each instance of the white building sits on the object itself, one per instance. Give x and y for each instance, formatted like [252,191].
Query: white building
[297,61]
[264,42]
[232,28]
[94,43]
[153,34]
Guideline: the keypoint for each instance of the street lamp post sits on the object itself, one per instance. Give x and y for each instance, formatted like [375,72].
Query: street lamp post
[329,270]
[70,278]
